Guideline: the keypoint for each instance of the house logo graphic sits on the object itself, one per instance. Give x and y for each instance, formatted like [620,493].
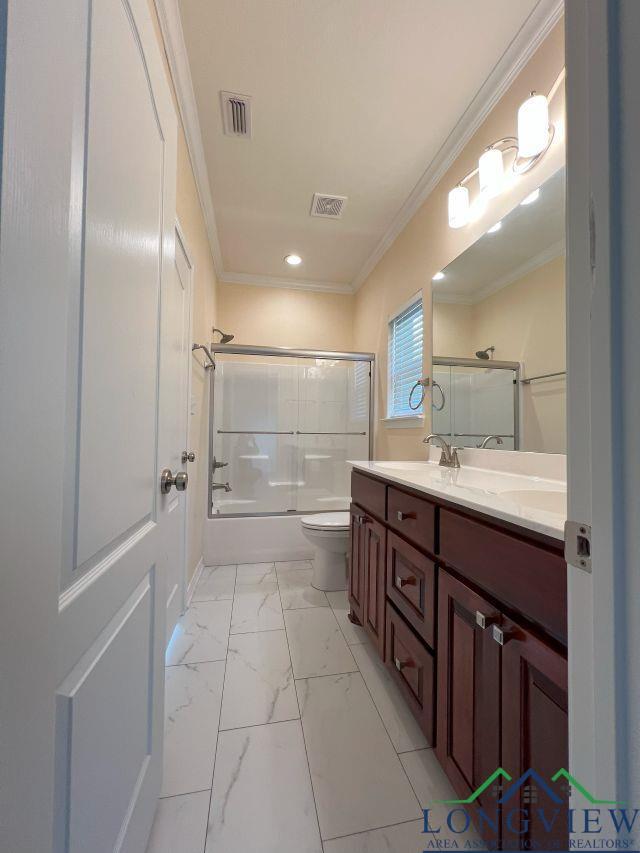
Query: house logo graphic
[531,777]
[503,805]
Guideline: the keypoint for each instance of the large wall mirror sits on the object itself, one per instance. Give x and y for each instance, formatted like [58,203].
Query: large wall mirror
[499,332]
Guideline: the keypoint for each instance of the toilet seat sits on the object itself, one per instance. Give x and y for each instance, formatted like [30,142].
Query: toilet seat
[328,521]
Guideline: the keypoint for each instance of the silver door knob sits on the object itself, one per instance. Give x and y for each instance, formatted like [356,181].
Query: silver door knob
[167,480]
[188,456]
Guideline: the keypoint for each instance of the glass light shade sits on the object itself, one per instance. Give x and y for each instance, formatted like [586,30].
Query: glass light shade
[491,172]
[458,207]
[533,126]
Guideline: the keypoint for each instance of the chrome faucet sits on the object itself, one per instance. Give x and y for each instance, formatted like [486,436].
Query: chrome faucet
[449,455]
[496,438]
[216,486]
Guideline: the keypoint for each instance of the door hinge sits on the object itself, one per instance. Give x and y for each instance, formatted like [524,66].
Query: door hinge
[577,545]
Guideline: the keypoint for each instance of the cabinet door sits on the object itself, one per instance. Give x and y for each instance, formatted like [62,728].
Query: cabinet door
[356,564]
[468,715]
[374,551]
[535,734]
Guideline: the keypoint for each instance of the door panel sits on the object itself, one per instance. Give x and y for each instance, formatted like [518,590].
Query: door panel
[120,289]
[468,719]
[356,564]
[534,731]
[375,536]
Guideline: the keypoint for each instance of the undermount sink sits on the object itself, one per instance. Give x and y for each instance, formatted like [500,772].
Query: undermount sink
[550,501]
[402,466]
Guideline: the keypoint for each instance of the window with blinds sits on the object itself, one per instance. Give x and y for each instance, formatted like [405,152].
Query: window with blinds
[405,359]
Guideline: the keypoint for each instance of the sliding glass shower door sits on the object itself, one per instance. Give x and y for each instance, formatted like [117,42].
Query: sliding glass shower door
[282,431]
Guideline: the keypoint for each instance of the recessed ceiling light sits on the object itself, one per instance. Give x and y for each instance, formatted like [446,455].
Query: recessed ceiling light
[438,276]
[293,260]
[531,197]
[494,228]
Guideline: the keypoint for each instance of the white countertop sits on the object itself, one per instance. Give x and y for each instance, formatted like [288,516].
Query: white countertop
[536,503]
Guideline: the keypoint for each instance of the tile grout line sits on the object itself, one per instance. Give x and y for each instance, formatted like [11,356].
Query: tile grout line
[375,829]
[215,755]
[304,740]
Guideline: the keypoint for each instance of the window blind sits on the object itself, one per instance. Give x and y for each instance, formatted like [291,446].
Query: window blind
[405,359]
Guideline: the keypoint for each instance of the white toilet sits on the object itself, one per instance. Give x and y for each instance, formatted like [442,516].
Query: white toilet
[328,532]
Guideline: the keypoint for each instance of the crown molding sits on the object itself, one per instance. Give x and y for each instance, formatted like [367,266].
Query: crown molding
[549,254]
[290,283]
[532,33]
[176,51]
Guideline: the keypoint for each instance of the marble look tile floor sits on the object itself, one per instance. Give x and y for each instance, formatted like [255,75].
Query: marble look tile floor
[283,731]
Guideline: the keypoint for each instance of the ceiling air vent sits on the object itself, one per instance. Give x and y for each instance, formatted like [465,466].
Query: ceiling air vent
[328,206]
[236,114]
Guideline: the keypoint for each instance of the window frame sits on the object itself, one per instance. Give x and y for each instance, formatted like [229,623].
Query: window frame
[402,419]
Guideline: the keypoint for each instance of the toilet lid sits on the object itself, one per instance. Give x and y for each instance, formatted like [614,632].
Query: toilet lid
[327,521]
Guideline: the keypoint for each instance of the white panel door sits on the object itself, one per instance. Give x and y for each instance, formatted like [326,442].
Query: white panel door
[91,323]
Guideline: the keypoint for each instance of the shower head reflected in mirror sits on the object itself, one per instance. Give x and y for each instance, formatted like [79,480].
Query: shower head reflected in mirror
[485,354]
[224,338]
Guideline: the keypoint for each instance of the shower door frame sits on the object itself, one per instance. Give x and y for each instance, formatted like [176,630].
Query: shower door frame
[282,352]
[442,360]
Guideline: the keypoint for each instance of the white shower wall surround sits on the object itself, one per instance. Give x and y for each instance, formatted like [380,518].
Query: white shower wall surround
[285,427]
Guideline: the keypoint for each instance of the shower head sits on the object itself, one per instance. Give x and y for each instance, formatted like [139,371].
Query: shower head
[484,353]
[224,338]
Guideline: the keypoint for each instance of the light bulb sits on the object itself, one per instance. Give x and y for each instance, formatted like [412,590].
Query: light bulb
[491,172]
[293,260]
[458,207]
[438,276]
[533,126]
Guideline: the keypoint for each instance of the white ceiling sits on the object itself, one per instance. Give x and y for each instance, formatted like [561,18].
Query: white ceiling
[349,97]
[529,236]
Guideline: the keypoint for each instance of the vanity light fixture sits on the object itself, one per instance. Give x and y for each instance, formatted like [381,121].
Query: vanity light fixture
[459,207]
[491,172]
[535,135]
[495,228]
[293,260]
[534,196]
[533,126]
[438,276]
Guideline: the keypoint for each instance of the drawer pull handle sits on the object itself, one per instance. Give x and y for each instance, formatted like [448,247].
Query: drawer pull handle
[403,664]
[404,515]
[400,582]
[484,621]
[499,635]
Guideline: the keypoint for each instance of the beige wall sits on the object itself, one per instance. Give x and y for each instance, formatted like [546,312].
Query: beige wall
[273,316]
[526,322]
[192,224]
[427,244]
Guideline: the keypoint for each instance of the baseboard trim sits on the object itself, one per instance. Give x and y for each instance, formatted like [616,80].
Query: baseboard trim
[191,588]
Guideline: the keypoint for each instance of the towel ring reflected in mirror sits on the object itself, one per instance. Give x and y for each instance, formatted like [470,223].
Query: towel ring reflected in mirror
[439,408]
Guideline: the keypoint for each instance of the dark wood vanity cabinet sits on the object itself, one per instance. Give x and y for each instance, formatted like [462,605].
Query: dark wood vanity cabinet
[470,616]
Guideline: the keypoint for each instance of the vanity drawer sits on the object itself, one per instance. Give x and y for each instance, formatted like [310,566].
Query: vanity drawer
[528,577]
[368,493]
[411,666]
[411,585]
[413,517]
